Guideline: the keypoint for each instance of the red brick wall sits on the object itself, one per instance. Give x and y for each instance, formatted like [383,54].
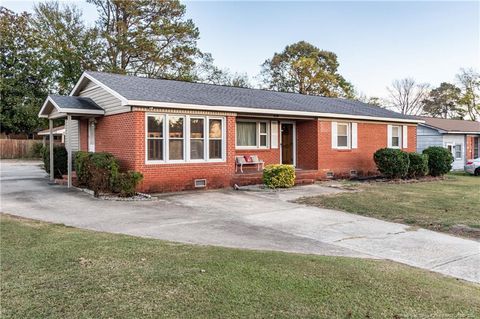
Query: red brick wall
[371,137]
[307,144]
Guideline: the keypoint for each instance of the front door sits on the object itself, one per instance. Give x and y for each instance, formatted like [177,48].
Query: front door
[287,143]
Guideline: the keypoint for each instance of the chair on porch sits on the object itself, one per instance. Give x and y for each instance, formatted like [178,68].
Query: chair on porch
[242,160]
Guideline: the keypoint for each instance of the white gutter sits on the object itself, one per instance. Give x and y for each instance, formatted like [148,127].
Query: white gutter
[263,111]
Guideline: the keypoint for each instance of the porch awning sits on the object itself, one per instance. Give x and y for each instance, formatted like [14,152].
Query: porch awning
[57,106]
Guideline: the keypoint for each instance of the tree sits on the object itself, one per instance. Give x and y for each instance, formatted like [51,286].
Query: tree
[469,81]
[147,37]
[208,72]
[444,102]
[406,96]
[23,74]
[68,46]
[304,68]
[372,100]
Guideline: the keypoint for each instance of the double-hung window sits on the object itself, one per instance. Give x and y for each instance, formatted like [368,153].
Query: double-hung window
[396,136]
[155,138]
[343,135]
[184,138]
[197,138]
[252,134]
[175,138]
[215,136]
[458,151]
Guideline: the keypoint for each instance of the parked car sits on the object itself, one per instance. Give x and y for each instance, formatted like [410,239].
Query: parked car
[473,166]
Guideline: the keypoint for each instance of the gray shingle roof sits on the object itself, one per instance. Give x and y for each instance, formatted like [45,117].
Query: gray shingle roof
[170,91]
[75,102]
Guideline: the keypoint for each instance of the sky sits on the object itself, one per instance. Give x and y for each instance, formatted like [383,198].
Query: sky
[376,42]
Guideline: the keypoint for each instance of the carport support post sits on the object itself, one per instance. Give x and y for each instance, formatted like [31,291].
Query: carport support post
[50,144]
[69,150]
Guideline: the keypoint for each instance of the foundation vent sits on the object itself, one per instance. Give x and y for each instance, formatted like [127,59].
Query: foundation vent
[200,183]
[330,175]
[353,173]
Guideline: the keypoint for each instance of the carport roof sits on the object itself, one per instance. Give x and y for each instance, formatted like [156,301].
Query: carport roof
[60,106]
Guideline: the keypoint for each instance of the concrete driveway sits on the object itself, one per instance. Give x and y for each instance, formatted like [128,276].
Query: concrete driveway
[239,219]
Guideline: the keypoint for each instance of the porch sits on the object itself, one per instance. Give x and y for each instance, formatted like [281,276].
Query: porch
[69,108]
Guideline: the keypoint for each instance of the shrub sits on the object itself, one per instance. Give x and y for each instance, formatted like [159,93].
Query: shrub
[279,176]
[392,163]
[37,150]
[60,160]
[127,182]
[418,166]
[81,166]
[439,160]
[100,172]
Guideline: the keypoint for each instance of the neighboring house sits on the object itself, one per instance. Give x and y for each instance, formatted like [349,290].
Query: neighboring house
[58,135]
[181,134]
[461,138]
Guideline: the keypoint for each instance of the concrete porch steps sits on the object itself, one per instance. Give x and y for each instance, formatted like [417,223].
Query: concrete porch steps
[302,177]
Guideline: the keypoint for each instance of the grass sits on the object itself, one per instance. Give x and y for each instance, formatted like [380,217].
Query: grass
[53,271]
[451,205]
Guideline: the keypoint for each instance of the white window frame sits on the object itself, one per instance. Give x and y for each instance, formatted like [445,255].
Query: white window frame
[400,136]
[207,139]
[167,136]
[349,136]
[164,144]
[257,133]
[186,139]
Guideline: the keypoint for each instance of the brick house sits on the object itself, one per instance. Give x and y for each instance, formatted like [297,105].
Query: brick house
[461,138]
[181,134]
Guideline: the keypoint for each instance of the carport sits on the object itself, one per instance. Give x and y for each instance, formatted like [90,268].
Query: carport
[68,107]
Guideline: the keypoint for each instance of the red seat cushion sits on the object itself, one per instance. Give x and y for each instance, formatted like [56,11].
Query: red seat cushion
[248,158]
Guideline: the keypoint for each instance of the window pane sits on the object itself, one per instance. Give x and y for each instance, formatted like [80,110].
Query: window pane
[175,149]
[155,126]
[342,141]
[246,133]
[175,124]
[342,130]
[215,149]
[263,140]
[196,149]
[395,131]
[263,127]
[196,128]
[155,149]
[395,141]
[215,129]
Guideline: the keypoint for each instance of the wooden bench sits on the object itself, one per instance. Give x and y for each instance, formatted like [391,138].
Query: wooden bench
[240,161]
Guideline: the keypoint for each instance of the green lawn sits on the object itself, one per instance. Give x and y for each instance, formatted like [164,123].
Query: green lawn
[54,271]
[451,205]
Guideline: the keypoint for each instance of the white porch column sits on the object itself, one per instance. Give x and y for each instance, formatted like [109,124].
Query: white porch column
[69,149]
[52,176]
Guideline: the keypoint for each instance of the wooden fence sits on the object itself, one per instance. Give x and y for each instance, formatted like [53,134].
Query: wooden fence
[17,148]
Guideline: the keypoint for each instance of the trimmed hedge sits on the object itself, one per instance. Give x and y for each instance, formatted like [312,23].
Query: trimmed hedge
[418,165]
[392,163]
[279,176]
[439,160]
[60,160]
[100,172]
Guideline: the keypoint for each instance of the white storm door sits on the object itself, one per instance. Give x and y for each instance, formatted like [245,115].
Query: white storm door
[91,136]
